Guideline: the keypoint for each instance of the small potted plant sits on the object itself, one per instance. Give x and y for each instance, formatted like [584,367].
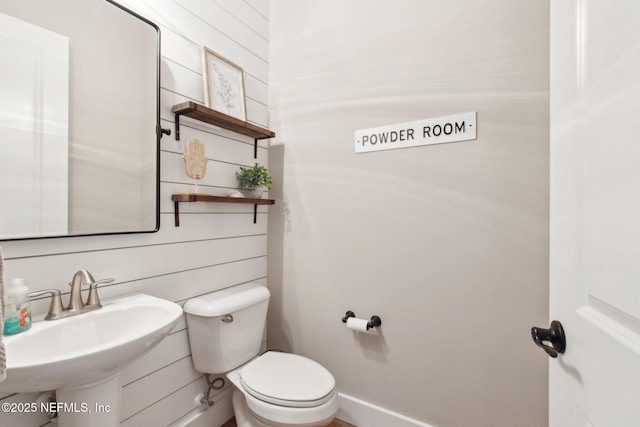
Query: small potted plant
[254,180]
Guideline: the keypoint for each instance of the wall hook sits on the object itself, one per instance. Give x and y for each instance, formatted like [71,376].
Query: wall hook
[163,131]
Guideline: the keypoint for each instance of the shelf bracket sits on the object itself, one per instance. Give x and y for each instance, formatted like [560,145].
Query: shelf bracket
[177,125]
[255,214]
[255,149]
[176,213]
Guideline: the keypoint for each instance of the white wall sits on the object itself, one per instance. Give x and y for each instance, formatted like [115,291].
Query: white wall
[446,243]
[215,246]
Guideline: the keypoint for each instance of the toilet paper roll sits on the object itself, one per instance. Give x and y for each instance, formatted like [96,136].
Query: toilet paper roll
[356,324]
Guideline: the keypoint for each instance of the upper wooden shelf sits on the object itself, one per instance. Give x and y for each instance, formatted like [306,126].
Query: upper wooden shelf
[216,118]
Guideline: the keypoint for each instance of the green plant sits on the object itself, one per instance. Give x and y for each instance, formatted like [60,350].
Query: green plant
[255,176]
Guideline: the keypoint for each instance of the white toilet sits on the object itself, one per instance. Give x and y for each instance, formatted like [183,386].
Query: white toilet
[274,389]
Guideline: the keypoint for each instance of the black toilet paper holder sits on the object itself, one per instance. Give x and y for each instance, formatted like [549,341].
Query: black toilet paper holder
[373,323]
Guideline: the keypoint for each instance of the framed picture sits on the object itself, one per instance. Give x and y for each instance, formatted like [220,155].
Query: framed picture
[223,85]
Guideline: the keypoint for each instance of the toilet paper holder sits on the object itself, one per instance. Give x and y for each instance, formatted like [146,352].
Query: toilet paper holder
[373,323]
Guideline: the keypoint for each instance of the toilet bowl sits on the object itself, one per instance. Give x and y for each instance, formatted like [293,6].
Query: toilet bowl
[275,389]
[282,389]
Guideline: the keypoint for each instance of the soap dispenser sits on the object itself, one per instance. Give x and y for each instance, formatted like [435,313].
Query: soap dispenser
[17,315]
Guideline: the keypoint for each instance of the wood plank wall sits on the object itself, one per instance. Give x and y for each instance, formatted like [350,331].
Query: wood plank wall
[216,246]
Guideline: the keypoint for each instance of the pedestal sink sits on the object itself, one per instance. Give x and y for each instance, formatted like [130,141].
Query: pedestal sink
[82,357]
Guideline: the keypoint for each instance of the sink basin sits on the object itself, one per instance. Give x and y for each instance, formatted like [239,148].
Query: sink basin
[89,347]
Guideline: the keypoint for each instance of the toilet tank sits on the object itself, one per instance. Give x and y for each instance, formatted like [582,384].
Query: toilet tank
[226,327]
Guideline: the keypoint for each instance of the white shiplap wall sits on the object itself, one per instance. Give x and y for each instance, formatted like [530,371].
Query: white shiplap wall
[216,246]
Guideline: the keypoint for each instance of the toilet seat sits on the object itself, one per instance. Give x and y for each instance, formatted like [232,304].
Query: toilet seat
[311,403]
[287,379]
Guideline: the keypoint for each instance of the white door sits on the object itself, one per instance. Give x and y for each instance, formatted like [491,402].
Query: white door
[34,110]
[595,212]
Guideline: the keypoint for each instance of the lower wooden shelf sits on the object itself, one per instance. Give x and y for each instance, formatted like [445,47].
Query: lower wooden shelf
[197,197]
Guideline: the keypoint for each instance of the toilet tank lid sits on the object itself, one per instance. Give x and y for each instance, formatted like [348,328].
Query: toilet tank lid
[226,301]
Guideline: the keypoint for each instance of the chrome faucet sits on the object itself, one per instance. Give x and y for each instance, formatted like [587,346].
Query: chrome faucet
[76,305]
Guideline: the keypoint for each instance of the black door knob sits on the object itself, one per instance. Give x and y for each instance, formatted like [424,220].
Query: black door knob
[554,336]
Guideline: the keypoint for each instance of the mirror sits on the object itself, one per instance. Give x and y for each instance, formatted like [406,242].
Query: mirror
[79,119]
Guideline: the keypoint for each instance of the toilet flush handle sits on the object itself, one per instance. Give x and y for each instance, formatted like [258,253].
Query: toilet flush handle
[227,318]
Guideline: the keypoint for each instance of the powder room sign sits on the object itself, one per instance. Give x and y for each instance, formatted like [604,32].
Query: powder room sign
[459,127]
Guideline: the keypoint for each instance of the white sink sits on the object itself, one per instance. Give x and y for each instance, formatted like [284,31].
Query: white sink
[81,352]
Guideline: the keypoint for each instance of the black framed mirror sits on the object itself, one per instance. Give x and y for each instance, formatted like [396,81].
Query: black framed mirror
[79,119]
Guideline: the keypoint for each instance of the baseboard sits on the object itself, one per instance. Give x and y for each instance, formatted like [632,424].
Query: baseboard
[352,410]
[364,414]
[220,412]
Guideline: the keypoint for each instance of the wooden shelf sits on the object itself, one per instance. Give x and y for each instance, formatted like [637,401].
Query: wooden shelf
[216,118]
[197,197]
